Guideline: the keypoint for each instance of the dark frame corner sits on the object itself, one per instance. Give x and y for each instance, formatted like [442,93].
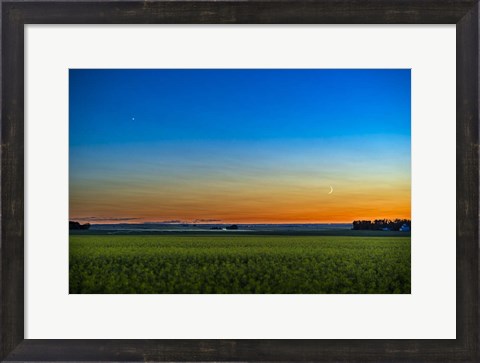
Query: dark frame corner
[17,13]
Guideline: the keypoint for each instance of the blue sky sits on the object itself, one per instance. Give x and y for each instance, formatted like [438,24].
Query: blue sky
[131,129]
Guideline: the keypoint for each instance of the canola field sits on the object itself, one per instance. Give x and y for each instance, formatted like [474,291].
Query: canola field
[238,264]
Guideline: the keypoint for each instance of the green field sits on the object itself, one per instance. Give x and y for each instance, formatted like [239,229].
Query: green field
[239,264]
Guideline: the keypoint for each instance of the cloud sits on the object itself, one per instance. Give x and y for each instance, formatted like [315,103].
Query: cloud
[166,222]
[206,220]
[104,219]
[126,219]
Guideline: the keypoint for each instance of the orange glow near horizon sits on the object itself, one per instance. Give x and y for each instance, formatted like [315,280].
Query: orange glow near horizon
[262,199]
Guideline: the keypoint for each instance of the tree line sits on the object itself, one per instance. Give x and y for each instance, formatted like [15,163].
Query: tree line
[76,225]
[379,224]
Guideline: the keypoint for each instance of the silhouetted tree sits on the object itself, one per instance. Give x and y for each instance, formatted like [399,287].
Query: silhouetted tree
[379,224]
[76,226]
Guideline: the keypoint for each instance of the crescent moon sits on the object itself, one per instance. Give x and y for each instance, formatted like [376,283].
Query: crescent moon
[331,190]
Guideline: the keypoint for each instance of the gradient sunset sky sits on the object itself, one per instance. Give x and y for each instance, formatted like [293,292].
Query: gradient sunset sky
[239,146]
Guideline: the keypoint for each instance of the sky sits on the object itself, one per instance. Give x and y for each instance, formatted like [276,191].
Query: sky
[239,145]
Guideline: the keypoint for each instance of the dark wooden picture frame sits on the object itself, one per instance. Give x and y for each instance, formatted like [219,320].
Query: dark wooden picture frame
[15,14]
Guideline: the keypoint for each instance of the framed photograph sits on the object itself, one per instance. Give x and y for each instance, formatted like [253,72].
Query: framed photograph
[211,185]
[239,181]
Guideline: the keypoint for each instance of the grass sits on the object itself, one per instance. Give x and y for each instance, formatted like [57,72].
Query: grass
[239,264]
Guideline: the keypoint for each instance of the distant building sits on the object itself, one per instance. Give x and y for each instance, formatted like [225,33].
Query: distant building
[405,228]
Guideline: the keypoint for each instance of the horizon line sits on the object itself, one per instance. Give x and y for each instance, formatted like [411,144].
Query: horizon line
[220,223]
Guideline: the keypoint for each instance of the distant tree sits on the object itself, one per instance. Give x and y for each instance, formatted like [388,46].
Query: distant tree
[77,226]
[379,224]
[362,225]
[233,226]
